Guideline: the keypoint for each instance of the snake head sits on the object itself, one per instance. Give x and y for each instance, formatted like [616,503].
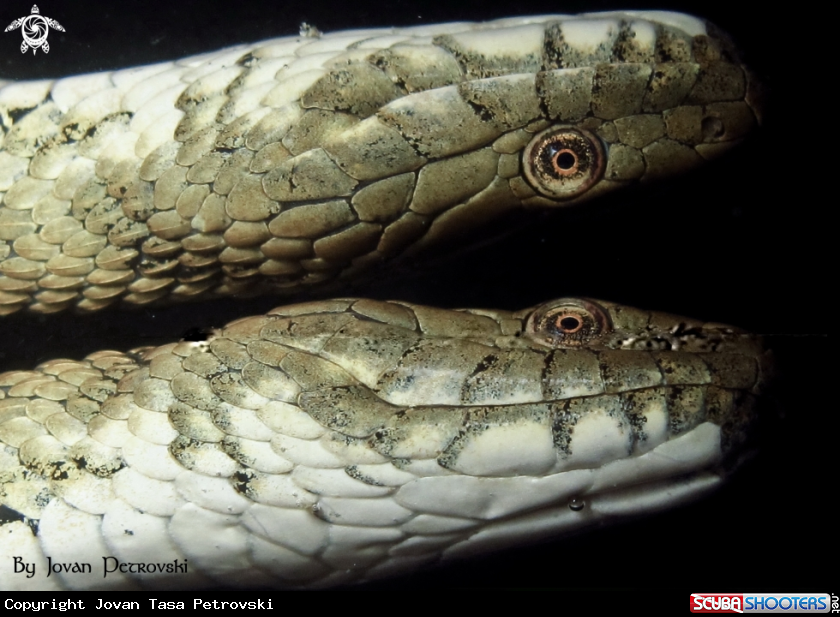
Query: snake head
[280,176]
[693,371]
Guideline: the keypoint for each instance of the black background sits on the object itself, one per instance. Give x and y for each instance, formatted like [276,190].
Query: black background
[743,241]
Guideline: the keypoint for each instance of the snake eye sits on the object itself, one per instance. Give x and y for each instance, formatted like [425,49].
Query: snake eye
[567,322]
[564,162]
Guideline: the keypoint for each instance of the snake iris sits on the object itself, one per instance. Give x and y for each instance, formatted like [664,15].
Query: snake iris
[344,440]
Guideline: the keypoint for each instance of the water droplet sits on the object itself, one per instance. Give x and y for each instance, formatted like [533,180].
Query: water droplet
[577,504]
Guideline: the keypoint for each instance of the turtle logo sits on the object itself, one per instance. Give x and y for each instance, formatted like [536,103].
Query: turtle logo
[35,28]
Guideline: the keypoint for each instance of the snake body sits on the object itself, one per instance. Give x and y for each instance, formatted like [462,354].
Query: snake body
[344,440]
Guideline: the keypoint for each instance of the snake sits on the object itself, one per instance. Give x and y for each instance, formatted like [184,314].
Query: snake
[344,440]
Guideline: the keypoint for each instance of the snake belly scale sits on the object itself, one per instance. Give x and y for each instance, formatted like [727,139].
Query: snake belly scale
[344,440]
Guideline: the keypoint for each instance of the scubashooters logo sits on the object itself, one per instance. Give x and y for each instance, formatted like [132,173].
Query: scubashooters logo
[760,603]
[35,28]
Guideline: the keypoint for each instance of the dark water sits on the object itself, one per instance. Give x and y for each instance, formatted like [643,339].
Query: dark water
[740,241]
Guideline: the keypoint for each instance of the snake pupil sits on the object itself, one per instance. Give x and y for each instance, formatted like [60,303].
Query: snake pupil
[565,160]
[570,324]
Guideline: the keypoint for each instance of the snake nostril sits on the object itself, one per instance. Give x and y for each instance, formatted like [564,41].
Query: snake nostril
[712,128]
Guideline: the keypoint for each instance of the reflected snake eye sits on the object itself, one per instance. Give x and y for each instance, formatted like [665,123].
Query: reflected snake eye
[568,322]
[564,162]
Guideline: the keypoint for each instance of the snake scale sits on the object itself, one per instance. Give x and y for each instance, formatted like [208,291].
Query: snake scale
[279,351]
